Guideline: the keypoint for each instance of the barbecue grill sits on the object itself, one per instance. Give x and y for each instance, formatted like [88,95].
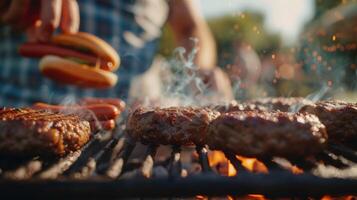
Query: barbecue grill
[105,169]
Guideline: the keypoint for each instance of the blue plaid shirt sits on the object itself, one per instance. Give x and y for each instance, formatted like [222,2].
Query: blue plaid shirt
[132,27]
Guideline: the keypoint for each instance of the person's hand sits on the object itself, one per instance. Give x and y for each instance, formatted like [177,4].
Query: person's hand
[40,18]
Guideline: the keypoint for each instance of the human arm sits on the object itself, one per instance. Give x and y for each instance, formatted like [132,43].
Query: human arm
[187,22]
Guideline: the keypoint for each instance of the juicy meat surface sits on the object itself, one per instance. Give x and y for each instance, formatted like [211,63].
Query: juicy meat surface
[284,104]
[174,125]
[234,106]
[267,134]
[340,118]
[34,132]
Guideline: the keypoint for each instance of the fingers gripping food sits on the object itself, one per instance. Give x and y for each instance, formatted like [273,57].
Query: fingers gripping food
[267,134]
[28,131]
[79,59]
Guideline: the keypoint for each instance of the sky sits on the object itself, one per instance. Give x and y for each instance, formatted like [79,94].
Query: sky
[284,16]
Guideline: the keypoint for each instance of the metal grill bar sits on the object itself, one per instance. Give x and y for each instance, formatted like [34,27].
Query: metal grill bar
[94,146]
[111,157]
[345,152]
[288,185]
[273,166]
[24,172]
[329,160]
[116,167]
[175,166]
[55,170]
[90,168]
[235,162]
[148,163]
[203,158]
[306,165]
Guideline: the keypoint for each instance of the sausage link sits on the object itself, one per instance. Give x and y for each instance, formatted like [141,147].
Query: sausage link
[101,111]
[120,104]
[107,125]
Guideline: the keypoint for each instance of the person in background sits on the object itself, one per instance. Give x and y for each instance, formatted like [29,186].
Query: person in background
[132,27]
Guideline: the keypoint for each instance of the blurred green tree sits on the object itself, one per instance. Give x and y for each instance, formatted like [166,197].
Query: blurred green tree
[321,6]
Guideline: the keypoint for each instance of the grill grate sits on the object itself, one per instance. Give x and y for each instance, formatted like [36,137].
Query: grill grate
[106,168]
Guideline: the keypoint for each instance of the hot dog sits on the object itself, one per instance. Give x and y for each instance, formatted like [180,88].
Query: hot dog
[112,101]
[78,59]
[101,112]
[70,72]
[38,50]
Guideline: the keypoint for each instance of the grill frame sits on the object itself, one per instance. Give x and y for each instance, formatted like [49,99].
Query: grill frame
[270,185]
[87,176]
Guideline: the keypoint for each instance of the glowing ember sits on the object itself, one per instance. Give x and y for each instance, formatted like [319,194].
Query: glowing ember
[253,164]
[216,157]
[326,197]
[200,197]
[249,197]
[334,38]
[231,170]
[256,196]
[230,198]
[296,170]
[219,162]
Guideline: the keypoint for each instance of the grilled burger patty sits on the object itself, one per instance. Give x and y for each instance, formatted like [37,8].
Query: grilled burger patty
[266,134]
[175,125]
[284,104]
[340,118]
[27,131]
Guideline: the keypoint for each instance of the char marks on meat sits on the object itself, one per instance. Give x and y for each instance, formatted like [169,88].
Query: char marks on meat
[174,125]
[340,118]
[267,134]
[35,132]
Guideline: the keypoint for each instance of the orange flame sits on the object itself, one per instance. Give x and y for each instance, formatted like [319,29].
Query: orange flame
[296,170]
[253,164]
[218,161]
[200,197]
[256,197]
[327,197]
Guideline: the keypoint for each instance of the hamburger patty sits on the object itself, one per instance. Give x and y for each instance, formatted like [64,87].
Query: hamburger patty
[340,118]
[174,125]
[284,104]
[34,132]
[266,134]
